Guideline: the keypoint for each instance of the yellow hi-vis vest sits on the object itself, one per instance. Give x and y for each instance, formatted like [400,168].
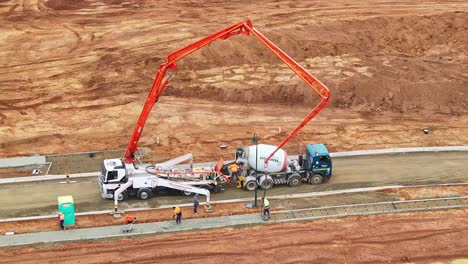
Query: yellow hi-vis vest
[177,211]
[234,167]
[266,203]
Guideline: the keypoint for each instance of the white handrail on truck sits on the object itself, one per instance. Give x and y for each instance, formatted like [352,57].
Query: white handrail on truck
[120,190]
[172,162]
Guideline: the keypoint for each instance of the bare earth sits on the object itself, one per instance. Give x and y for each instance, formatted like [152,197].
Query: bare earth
[75,74]
[420,237]
[158,215]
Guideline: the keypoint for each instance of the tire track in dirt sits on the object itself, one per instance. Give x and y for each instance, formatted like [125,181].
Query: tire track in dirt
[79,38]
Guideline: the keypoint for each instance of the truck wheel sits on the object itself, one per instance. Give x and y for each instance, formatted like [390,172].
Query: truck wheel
[316,179]
[294,181]
[267,184]
[144,194]
[122,196]
[186,193]
[250,185]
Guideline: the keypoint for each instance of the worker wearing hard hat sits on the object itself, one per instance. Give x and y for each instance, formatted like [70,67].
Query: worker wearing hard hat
[61,218]
[177,214]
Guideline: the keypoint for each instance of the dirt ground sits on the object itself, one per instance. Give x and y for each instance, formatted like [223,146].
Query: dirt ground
[157,215]
[108,219]
[425,193]
[74,75]
[402,238]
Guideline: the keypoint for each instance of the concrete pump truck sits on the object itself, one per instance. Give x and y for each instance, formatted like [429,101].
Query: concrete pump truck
[121,178]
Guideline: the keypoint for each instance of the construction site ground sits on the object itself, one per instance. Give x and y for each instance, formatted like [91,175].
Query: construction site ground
[238,208]
[74,76]
[388,65]
[425,237]
[40,198]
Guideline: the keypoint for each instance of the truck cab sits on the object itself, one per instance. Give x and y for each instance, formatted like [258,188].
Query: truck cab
[317,163]
[112,171]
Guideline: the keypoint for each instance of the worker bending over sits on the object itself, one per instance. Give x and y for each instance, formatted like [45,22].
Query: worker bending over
[129,219]
[177,214]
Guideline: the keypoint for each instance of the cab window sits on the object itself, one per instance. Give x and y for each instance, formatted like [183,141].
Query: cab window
[324,160]
[111,175]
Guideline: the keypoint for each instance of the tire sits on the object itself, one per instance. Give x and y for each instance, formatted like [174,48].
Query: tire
[186,193]
[295,181]
[267,184]
[122,196]
[144,194]
[250,186]
[316,179]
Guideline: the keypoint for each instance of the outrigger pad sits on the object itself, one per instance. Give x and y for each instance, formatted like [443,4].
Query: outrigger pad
[117,214]
[208,208]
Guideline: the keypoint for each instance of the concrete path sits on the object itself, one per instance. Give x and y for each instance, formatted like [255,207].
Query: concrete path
[48,177]
[139,229]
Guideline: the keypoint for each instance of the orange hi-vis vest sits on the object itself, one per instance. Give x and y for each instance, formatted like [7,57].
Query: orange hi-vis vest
[234,167]
[61,216]
[129,219]
[176,211]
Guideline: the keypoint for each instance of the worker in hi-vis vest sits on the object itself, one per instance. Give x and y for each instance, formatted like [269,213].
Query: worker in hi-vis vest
[177,214]
[233,172]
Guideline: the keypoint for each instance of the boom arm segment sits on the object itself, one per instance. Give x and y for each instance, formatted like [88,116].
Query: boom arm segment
[310,80]
[161,81]
[244,28]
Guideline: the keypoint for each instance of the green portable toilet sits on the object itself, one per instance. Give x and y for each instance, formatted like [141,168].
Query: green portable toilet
[67,208]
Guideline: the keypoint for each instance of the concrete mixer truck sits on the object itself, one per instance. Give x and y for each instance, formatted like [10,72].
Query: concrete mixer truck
[314,167]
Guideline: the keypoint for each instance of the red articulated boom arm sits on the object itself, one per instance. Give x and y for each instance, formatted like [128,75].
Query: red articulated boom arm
[245,28]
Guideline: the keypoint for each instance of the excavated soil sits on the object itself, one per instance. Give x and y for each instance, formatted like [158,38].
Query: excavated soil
[75,74]
[403,238]
[425,193]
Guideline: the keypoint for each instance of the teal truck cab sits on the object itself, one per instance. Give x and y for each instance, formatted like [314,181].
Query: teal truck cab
[316,164]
